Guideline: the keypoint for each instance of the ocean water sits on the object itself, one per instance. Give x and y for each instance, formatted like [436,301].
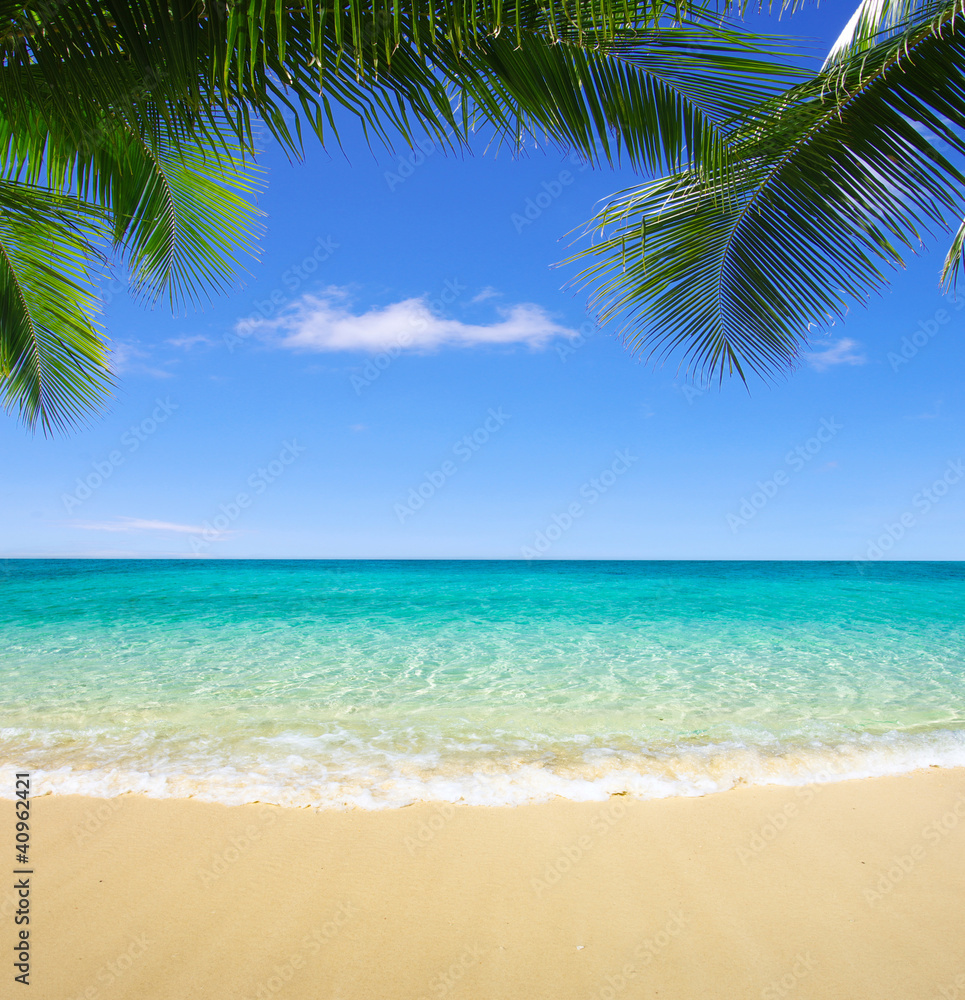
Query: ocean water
[344,684]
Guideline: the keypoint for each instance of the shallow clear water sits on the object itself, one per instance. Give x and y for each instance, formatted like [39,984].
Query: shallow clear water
[377,684]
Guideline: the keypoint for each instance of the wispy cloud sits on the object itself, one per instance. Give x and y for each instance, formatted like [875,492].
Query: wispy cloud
[129,357]
[326,323]
[140,524]
[487,293]
[124,354]
[192,340]
[842,352]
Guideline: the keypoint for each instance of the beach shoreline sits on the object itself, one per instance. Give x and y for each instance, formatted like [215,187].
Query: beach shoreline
[847,889]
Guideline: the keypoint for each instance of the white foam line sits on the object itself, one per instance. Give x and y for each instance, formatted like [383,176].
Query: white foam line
[701,771]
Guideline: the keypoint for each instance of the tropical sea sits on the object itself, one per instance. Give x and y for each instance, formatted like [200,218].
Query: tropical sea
[376,684]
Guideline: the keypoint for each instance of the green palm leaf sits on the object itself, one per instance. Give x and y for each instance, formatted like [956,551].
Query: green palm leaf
[872,22]
[177,213]
[180,213]
[399,68]
[830,185]
[655,97]
[53,364]
[140,115]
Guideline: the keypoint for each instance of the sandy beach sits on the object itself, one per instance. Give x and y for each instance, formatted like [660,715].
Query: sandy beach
[845,890]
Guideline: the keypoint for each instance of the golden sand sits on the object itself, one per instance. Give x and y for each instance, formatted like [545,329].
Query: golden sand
[848,890]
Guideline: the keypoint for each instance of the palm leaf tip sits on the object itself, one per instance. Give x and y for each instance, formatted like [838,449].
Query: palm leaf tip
[53,362]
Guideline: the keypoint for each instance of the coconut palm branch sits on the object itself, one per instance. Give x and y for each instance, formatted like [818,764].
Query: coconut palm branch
[831,186]
[871,23]
[145,113]
[52,363]
[575,73]
[176,214]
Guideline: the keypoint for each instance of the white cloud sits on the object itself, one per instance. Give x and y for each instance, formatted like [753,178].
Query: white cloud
[127,356]
[192,340]
[139,524]
[842,352]
[326,323]
[487,293]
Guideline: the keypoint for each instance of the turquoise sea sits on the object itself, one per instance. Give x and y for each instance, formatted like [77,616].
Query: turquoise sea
[344,684]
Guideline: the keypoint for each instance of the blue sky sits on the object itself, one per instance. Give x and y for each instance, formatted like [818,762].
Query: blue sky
[402,376]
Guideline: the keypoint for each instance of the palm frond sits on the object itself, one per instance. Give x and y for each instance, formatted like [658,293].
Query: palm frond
[53,364]
[871,23]
[140,115]
[181,214]
[179,210]
[954,263]
[651,98]
[830,186]
[397,67]
[123,94]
